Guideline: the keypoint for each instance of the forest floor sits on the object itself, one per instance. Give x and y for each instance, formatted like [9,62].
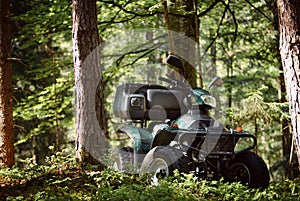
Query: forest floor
[73,185]
[65,180]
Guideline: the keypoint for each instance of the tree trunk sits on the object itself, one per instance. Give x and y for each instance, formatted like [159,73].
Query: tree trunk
[6,111]
[181,18]
[285,123]
[289,26]
[90,142]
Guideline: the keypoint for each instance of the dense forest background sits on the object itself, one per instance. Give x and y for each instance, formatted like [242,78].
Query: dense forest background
[240,37]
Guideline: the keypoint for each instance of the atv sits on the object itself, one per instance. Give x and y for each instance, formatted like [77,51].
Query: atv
[170,128]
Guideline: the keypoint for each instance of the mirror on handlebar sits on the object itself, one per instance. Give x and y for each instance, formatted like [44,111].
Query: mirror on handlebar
[176,62]
[217,81]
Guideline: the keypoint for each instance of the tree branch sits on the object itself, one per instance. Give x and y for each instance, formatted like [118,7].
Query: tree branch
[147,50]
[209,8]
[234,19]
[258,10]
[122,7]
[218,30]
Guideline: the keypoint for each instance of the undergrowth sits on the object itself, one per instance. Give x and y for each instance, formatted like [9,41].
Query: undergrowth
[61,178]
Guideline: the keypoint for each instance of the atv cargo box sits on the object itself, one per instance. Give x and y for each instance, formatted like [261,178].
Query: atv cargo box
[148,102]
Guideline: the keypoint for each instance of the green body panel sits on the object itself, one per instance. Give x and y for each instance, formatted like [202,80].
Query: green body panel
[142,139]
[197,93]
[184,121]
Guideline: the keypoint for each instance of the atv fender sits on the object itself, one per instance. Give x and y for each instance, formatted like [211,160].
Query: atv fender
[141,138]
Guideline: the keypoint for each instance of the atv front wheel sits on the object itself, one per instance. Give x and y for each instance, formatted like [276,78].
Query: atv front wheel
[123,159]
[249,169]
[161,162]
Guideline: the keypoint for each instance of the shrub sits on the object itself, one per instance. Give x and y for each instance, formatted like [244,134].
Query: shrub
[63,179]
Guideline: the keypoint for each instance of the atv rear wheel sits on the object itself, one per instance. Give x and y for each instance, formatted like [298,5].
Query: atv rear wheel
[249,169]
[161,162]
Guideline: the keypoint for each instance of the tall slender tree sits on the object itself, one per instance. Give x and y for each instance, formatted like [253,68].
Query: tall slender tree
[289,26]
[6,111]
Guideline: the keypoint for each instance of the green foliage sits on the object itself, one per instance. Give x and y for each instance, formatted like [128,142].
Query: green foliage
[49,106]
[263,118]
[239,37]
[42,76]
[62,179]
[253,106]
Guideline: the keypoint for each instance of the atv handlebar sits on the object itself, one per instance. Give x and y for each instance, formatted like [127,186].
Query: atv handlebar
[165,80]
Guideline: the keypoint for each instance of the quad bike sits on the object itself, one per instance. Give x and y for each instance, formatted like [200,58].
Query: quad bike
[176,132]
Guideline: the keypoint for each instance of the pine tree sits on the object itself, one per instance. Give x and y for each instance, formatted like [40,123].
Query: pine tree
[87,68]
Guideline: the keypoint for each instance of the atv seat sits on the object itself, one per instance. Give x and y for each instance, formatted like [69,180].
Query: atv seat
[164,104]
[148,102]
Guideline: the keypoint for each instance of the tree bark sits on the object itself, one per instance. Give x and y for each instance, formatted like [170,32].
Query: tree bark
[289,26]
[285,123]
[181,18]
[6,109]
[87,68]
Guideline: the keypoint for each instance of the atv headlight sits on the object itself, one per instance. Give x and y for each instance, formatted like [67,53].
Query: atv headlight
[209,100]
